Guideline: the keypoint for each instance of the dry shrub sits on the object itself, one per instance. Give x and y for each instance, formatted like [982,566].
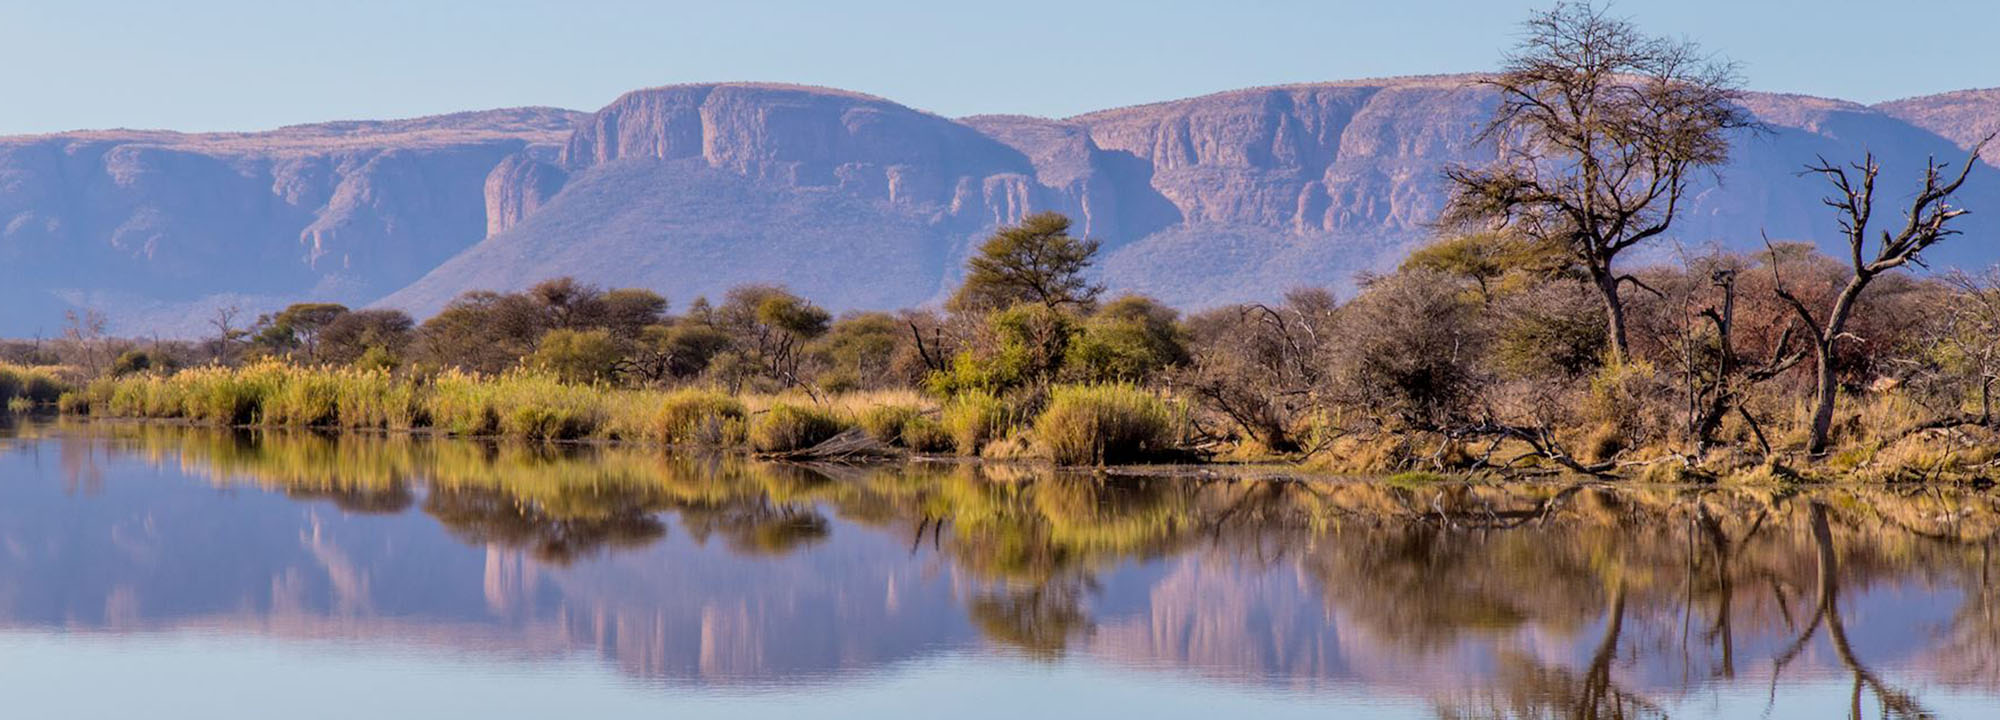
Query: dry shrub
[786,427]
[707,418]
[924,435]
[976,418]
[885,423]
[1105,424]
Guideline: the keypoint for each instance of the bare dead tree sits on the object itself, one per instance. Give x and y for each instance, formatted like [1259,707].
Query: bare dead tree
[226,332]
[1599,132]
[1925,222]
[84,332]
[1723,391]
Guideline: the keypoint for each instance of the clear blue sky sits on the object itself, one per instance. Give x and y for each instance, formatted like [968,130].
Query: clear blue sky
[249,64]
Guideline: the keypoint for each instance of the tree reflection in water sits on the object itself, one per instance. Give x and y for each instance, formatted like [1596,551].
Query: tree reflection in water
[1556,600]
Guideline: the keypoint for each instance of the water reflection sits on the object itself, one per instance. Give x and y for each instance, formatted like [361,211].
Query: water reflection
[1555,600]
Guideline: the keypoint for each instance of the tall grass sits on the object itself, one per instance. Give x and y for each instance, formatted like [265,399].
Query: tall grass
[785,428]
[884,423]
[1105,424]
[1082,424]
[975,418]
[522,404]
[31,387]
[695,416]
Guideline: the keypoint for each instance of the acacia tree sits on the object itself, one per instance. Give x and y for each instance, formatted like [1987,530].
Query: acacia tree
[1036,261]
[1599,131]
[1925,222]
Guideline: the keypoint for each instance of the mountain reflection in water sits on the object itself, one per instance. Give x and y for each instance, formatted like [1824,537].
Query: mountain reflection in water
[686,571]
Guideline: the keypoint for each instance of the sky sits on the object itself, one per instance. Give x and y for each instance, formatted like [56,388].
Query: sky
[202,65]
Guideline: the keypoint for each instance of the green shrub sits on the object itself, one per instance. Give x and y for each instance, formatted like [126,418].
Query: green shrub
[924,435]
[132,361]
[885,423]
[73,403]
[1103,424]
[699,417]
[975,418]
[536,421]
[785,428]
[33,386]
[577,356]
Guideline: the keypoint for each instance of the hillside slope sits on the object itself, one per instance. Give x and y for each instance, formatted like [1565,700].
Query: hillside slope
[853,200]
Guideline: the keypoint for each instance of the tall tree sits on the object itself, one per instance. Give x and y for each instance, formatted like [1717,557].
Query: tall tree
[1036,261]
[1925,222]
[1599,131]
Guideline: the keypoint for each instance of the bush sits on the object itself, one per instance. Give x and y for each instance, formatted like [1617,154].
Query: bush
[973,419]
[32,386]
[73,403]
[699,417]
[924,435]
[785,428]
[132,361]
[885,423]
[1103,424]
[577,356]
[1409,350]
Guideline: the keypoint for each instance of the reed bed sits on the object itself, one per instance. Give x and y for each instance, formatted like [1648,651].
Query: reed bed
[1081,425]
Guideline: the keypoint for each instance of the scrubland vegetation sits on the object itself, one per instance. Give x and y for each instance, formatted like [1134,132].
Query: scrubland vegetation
[1519,341]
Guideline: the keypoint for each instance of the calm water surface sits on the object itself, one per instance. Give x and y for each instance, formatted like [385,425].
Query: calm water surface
[159,572]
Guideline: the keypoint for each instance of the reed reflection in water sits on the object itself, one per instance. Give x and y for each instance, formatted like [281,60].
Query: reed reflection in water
[703,573]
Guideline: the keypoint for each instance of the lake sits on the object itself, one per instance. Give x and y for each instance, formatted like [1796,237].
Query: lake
[166,572]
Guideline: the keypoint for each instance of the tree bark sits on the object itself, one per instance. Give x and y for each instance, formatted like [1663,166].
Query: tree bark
[1614,313]
[1825,388]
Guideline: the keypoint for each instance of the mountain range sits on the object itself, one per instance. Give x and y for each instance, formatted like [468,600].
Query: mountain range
[852,200]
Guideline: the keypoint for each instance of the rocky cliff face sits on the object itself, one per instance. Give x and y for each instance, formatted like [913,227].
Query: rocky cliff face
[693,189]
[143,223]
[851,199]
[859,202]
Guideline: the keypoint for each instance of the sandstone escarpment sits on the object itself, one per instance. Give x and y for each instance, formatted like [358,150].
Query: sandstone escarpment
[853,200]
[347,211]
[799,137]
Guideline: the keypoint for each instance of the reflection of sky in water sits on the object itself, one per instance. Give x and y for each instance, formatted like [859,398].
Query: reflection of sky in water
[139,566]
[189,676]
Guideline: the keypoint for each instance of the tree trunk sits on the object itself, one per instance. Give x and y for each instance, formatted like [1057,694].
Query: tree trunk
[1825,389]
[1823,397]
[1614,313]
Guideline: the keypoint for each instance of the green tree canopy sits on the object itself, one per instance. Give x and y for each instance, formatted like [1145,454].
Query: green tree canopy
[1036,261]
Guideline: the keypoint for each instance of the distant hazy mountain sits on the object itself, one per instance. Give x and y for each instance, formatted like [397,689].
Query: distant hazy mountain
[151,226]
[850,199]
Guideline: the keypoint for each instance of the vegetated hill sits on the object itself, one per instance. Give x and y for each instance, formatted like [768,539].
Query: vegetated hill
[154,227]
[1963,116]
[856,201]
[850,199]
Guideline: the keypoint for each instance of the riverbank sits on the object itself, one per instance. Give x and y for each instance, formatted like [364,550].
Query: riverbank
[1101,425]
[1077,425]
